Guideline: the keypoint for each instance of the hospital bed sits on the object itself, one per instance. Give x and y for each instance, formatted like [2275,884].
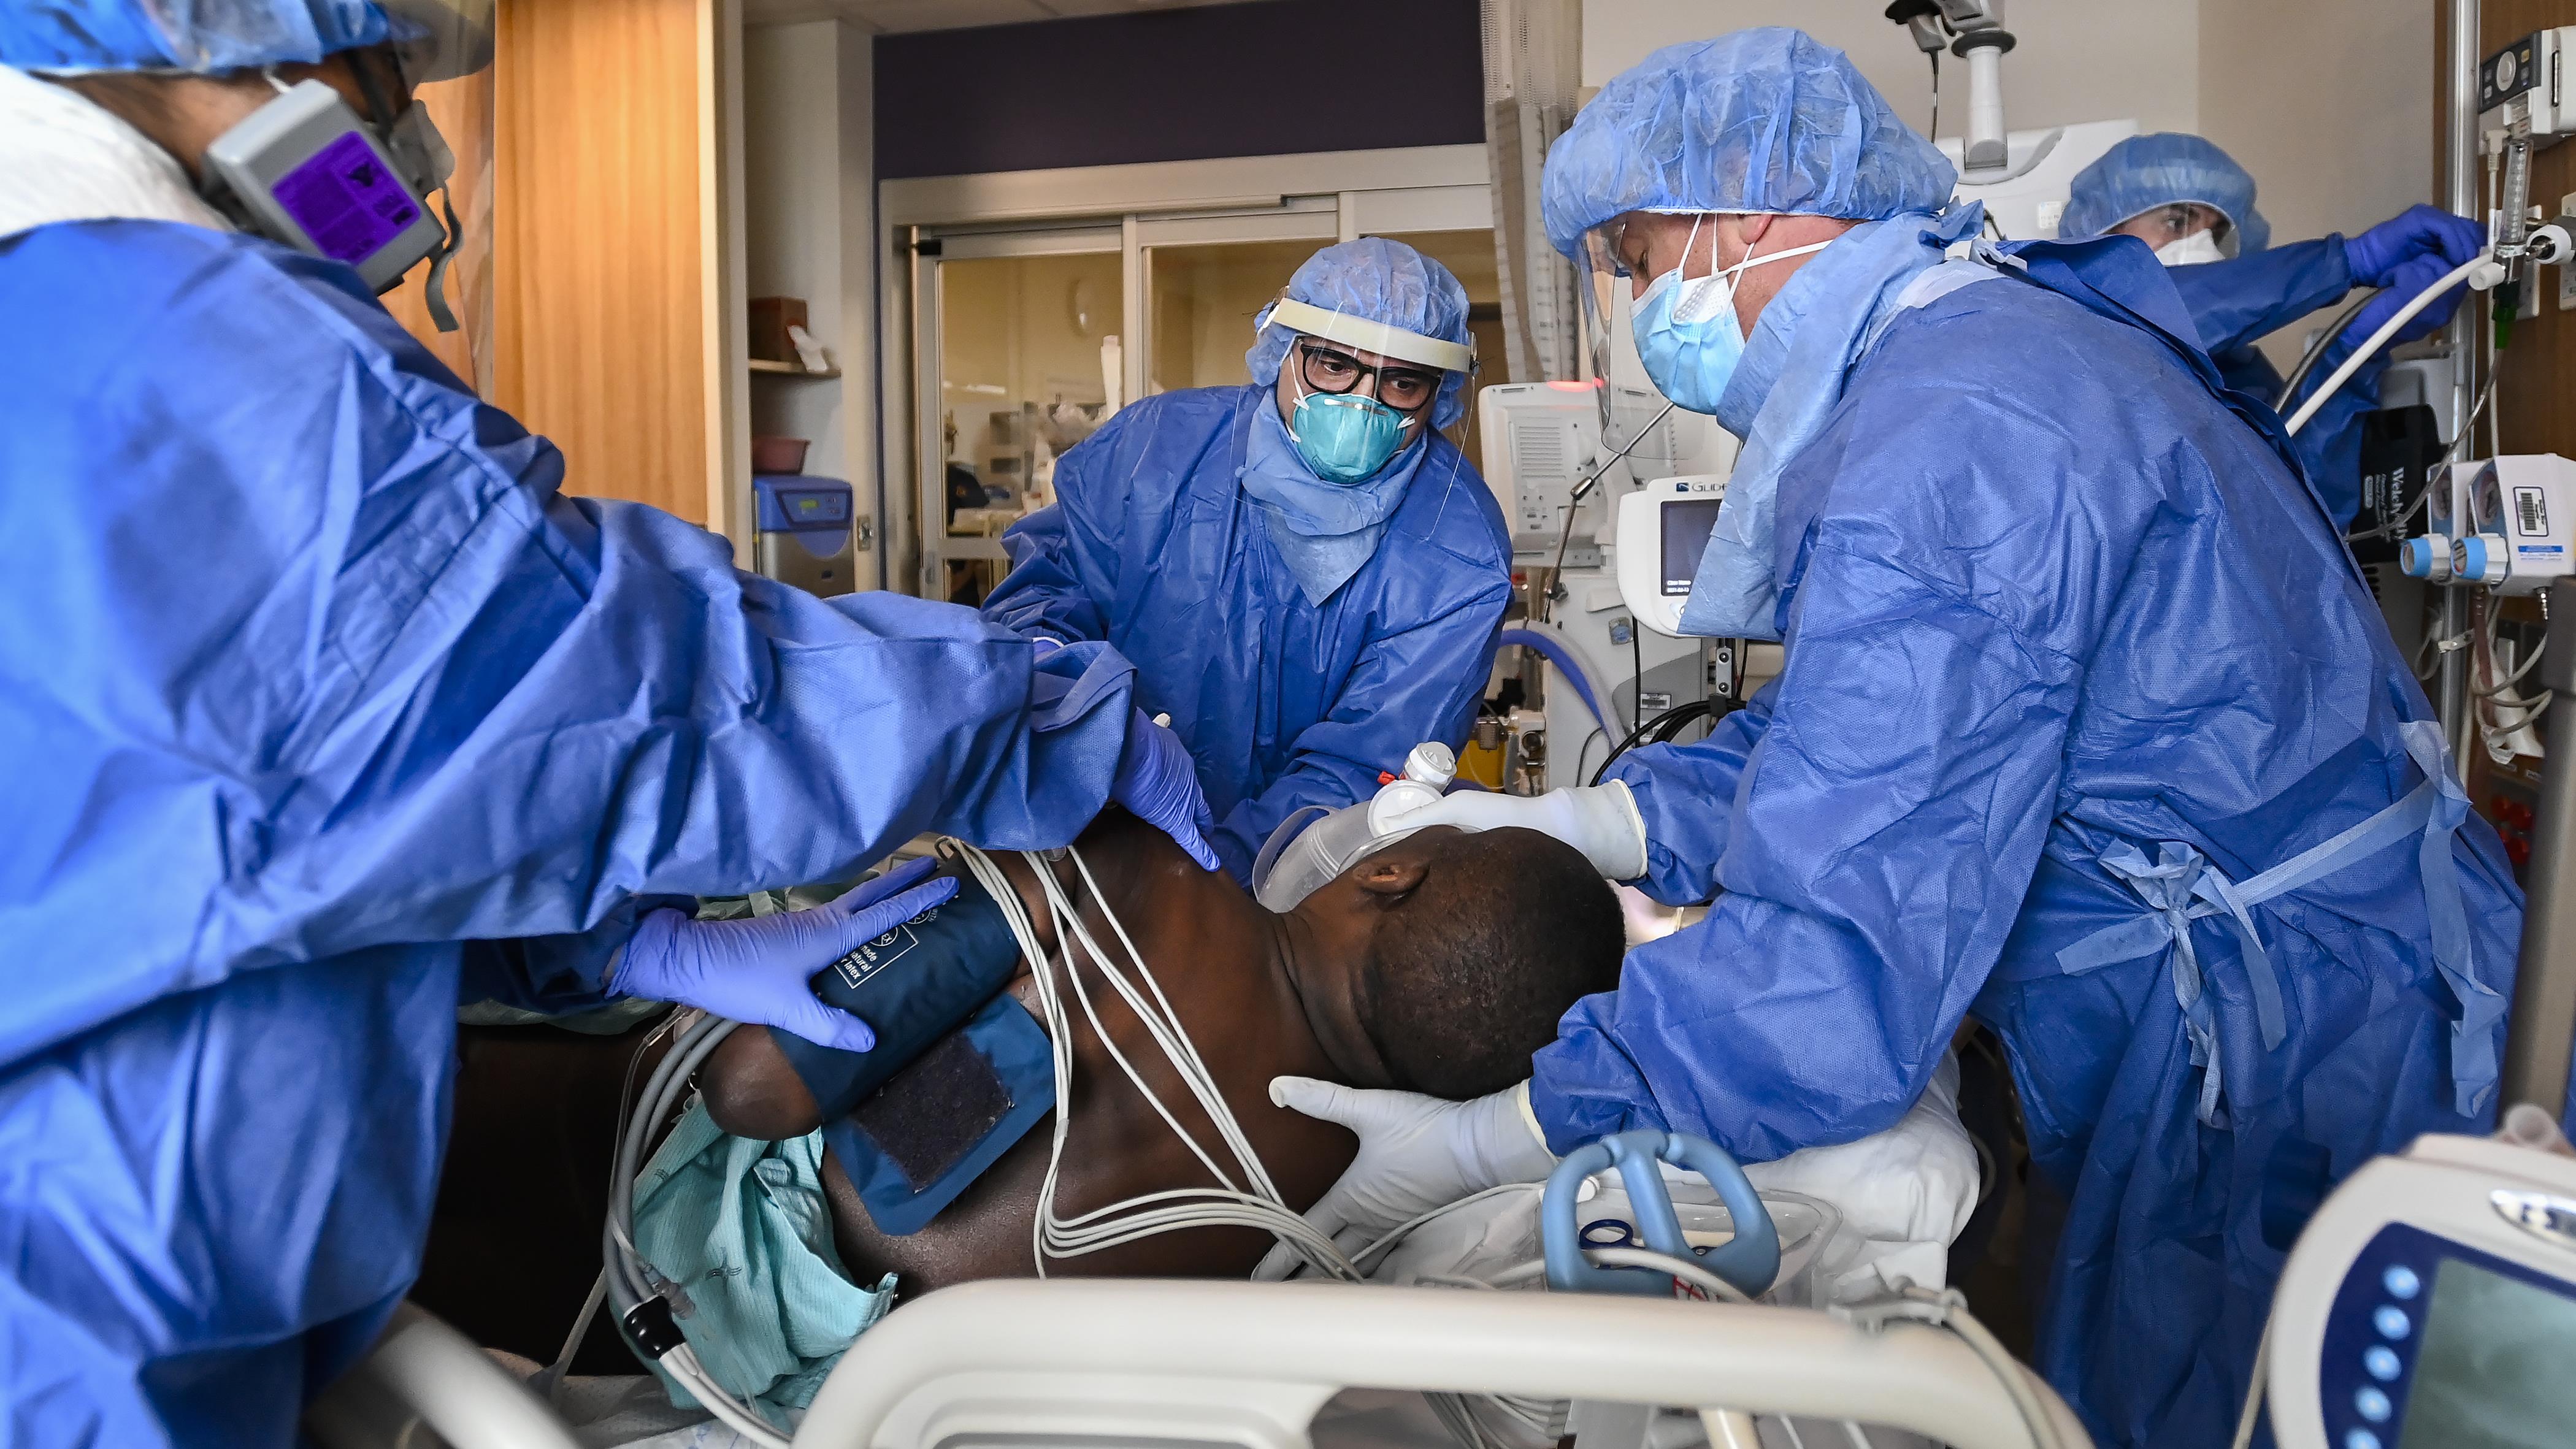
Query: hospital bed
[1192,1365]
[2429,1300]
[1252,1364]
[1324,1365]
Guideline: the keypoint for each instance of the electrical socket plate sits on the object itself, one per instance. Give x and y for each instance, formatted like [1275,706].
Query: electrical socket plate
[2567,274]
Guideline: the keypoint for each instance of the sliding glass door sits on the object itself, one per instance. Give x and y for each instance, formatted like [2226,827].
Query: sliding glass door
[1022,329]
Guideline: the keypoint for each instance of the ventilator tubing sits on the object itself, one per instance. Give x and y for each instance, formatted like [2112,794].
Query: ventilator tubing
[2481,272]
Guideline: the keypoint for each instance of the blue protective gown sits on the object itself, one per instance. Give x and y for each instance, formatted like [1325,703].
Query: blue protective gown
[2236,303]
[2057,619]
[318,698]
[1155,547]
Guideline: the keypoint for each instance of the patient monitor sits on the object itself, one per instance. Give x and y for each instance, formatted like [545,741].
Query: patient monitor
[1663,530]
[2432,1301]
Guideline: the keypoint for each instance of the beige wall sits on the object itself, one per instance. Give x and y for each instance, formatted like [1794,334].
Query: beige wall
[2334,120]
[2328,102]
[2077,60]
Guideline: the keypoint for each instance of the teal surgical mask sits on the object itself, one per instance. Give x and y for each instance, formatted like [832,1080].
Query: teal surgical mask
[1686,329]
[1345,437]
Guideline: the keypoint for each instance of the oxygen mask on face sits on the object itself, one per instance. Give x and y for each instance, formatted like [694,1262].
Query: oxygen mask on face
[1316,844]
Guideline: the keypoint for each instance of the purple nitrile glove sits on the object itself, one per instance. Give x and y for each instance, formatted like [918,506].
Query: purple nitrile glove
[2418,231]
[761,970]
[1159,785]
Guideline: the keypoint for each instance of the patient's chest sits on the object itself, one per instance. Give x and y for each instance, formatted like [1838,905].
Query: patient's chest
[1207,956]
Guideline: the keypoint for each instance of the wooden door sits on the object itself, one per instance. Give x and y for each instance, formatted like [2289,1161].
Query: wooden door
[606,280]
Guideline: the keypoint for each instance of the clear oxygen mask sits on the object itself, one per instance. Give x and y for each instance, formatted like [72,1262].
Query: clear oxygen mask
[1316,844]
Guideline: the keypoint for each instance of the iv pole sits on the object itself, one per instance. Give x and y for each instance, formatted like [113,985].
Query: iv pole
[2541,1035]
[2460,152]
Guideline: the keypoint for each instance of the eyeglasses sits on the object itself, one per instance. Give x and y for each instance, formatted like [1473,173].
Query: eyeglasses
[1326,369]
[2176,220]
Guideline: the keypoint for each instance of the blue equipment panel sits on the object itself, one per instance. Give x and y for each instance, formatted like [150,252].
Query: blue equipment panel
[790,503]
[2434,1344]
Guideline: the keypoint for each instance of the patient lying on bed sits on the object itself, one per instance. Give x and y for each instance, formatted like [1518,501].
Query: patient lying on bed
[1438,965]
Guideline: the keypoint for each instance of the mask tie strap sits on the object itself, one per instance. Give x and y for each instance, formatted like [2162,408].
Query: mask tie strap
[434,291]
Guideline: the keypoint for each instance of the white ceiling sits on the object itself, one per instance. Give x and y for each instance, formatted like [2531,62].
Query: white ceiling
[883,16]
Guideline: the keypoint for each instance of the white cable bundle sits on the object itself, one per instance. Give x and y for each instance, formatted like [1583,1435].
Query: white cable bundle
[630,1280]
[1254,1204]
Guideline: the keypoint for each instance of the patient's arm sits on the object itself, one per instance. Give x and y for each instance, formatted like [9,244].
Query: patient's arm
[751,1091]
[750,1087]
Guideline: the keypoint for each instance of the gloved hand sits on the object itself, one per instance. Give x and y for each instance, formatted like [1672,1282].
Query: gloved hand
[760,970]
[1417,1153]
[1159,785]
[2418,231]
[1599,820]
[2404,284]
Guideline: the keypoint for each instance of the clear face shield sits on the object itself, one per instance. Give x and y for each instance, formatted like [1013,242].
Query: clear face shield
[309,171]
[2186,232]
[1634,417]
[1408,391]
[440,40]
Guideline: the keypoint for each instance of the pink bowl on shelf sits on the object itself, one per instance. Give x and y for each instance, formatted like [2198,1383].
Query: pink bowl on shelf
[777,455]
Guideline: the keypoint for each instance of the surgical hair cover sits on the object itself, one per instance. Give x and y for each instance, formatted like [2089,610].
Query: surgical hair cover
[1763,120]
[2145,172]
[436,39]
[1384,281]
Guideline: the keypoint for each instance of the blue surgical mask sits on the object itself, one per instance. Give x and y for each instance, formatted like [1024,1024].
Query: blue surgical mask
[1786,390]
[1345,437]
[1686,329]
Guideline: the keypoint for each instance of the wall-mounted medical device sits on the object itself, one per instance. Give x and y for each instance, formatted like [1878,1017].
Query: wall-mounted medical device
[2026,198]
[2432,1302]
[1663,530]
[2023,177]
[2527,81]
[2524,105]
[1972,30]
[2507,523]
[1542,440]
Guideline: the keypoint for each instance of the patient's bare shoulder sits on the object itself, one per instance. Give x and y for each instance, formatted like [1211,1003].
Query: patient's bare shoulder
[751,1091]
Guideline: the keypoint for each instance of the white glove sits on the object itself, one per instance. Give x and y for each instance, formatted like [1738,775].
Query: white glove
[1599,820]
[1417,1154]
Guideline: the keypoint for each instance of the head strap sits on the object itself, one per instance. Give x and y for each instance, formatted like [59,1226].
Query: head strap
[1371,336]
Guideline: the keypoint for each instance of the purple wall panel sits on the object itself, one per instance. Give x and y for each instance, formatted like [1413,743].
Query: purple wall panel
[1263,79]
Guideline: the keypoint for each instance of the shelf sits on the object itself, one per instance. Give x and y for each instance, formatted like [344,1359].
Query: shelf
[789,369]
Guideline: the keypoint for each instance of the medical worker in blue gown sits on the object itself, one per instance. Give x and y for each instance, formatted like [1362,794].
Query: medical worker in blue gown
[322,706]
[1309,577]
[2088,728]
[2194,205]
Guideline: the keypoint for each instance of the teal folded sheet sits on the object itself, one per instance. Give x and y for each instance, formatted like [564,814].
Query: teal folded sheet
[744,1229]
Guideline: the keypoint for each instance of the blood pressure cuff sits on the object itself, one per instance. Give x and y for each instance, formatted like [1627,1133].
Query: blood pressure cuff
[928,1133]
[959,1074]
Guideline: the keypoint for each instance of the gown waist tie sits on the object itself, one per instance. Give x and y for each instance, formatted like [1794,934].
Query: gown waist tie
[2181,886]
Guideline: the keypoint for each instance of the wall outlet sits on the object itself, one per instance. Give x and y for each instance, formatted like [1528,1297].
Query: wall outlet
[2567,274]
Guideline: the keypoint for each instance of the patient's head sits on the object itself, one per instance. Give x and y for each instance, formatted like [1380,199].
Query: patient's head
[1465,950]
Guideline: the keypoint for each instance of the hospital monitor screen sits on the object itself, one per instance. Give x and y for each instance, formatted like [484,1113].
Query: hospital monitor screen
[2494,1371]
[1686,525]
